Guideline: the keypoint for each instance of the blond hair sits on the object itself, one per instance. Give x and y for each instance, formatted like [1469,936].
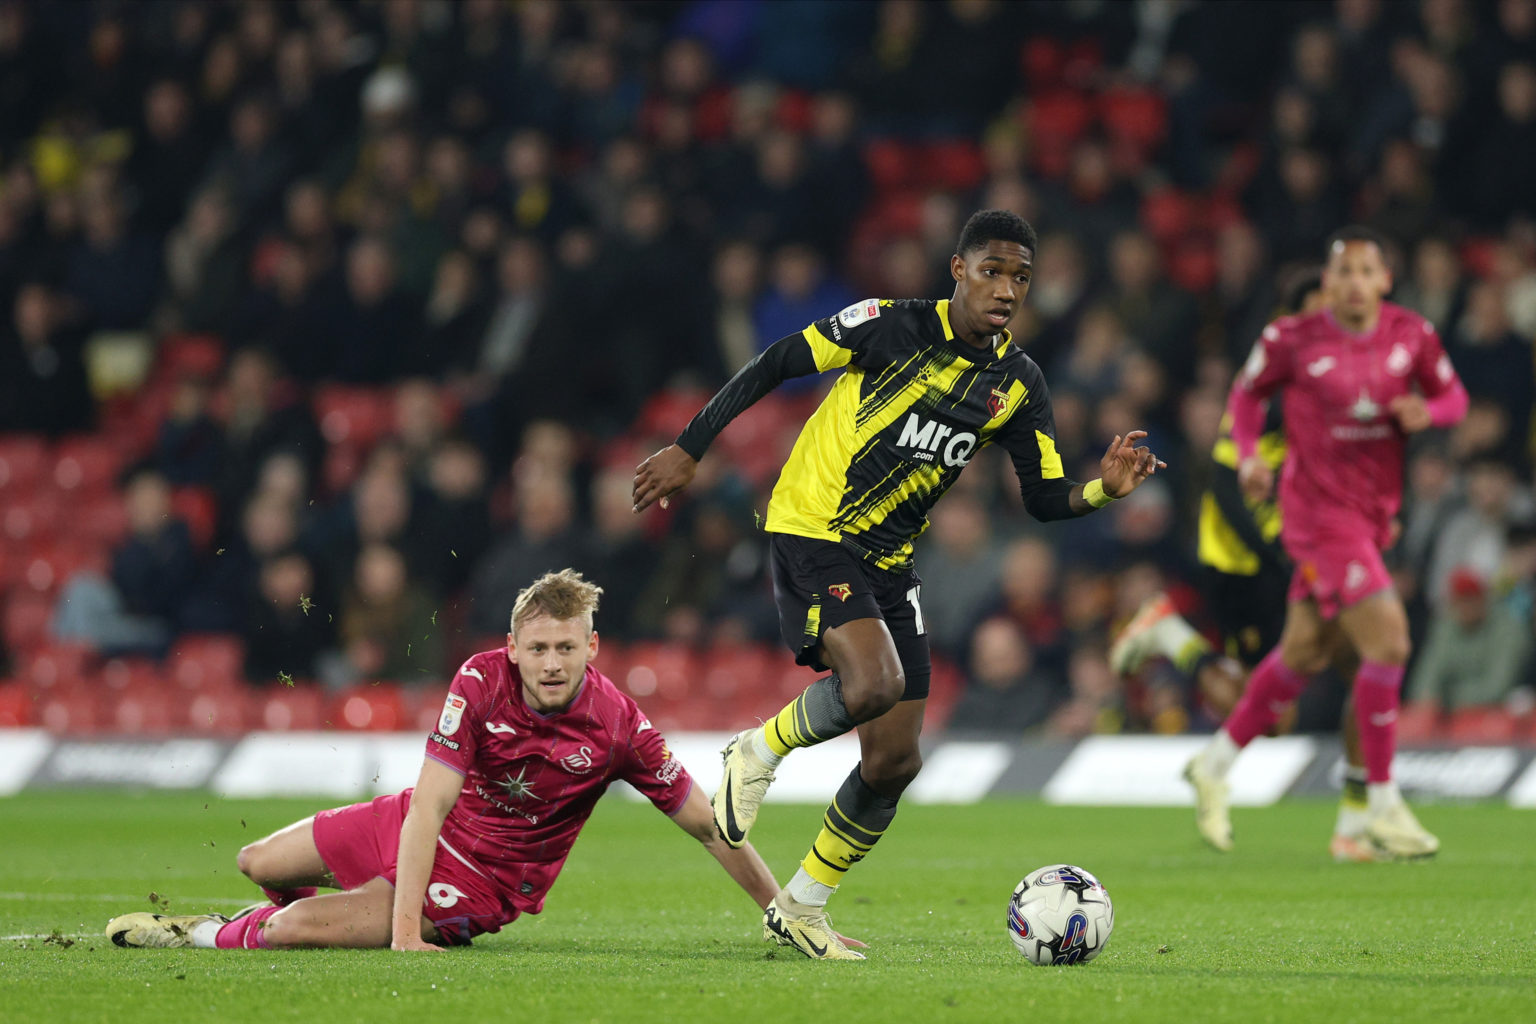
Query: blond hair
[560,595]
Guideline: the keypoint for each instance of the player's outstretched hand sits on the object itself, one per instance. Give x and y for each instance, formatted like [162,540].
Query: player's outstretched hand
[664,473]
[851,943]
[1125,464]
[1412,412]
[1255,478]
[414,944]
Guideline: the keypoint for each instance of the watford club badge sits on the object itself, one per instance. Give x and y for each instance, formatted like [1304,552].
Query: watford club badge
[998,403]
[841,591]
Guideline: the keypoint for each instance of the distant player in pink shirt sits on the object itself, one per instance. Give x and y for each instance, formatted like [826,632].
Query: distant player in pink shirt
[529,738]
[1355,379]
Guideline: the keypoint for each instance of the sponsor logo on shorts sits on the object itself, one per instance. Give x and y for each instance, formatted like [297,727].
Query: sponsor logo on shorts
[841,591]
[1355,576]
[444,895]
[445,741]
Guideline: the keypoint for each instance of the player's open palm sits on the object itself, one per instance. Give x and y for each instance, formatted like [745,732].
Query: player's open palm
[1126,464]
[664,473]
[1255,479]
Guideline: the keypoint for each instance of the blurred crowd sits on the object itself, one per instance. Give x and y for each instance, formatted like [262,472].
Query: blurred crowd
[400,292]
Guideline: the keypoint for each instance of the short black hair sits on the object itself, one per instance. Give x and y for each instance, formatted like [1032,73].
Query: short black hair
[1301,284]
[995,225]
[1356,233]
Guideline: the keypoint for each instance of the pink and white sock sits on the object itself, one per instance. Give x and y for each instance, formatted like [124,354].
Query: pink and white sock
[248,932]
[1271,689]
[1377,689]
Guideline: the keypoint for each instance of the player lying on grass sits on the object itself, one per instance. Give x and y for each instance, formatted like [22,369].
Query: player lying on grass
[529,738]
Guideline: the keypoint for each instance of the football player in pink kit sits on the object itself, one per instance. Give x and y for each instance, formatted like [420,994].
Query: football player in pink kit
[529,738]
[1355,378]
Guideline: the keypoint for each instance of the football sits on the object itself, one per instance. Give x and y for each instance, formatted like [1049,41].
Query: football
[1060,915]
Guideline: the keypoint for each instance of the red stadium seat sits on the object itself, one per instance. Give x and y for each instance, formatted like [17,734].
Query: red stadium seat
[199,509]
[423,707]
[738,673]
[954,165]
[1418,723]
[1487,725]
[23,459]
[121,675]
[84,465]
[195,355]
[103,518]
[379,707]
[353,415]
[30,519]
[220,713]
[288,708]
[890,165]
[1137,116]
[59,668]
[1055,122]
[25,622]
[1043,62]
[70,714]
[207,661]
[49,568]
[15,706]
[1168,214]
[155,712]
[665,671]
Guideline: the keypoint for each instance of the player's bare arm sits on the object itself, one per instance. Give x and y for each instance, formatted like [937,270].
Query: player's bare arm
[437,789]
[744,865]
[663,474]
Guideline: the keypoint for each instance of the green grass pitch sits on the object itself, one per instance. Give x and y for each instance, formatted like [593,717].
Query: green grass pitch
[643,926]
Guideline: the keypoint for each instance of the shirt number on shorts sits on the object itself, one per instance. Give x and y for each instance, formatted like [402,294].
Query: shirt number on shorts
[917,609]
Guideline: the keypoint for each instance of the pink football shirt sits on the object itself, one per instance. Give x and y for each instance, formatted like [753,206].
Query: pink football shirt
[531,780]
[1343,473]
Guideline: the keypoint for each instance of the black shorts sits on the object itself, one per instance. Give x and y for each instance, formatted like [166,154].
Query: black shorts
[1249,611]
[819,585]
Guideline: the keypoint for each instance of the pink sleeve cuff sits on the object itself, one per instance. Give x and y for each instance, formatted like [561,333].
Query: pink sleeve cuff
[1247,411]
[1449,406]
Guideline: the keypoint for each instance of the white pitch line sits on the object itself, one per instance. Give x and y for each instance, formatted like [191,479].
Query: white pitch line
[77,936]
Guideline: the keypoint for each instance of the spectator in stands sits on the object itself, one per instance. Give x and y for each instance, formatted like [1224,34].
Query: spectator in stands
[387,626]
[168,156]
[1474,536]
[284,630]
[260,417]
[1097,700]
[545,538]
[114,273]
[455,528]
[43,385]
[710,578]
[1004,690]
[205,263]
[190,443]
[1155,312]
[137,609]
[1494,362]
[268,527]
[365,321]
[961,565]
[616,542]
[1475,652]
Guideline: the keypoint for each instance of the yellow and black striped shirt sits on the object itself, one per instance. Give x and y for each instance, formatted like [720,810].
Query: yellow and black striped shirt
[1238,536]
[911,408]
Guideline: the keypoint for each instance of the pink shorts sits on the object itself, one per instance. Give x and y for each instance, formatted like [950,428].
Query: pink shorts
[361,842]
[1336,573]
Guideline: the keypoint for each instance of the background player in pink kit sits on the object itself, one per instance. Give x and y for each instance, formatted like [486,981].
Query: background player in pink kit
[529,738]
[1356,378]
